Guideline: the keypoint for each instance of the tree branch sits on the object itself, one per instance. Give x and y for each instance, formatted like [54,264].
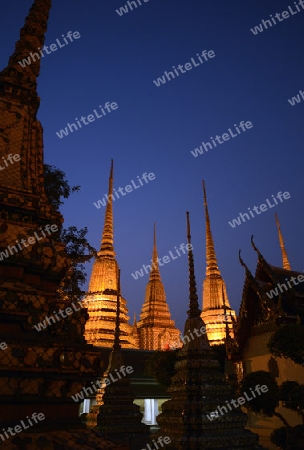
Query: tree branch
[283,420]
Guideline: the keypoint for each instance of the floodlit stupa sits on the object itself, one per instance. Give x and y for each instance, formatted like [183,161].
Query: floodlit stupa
[101,299]
[215,303]
[156,329]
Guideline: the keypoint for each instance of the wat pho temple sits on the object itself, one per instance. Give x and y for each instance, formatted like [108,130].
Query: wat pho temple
[80,382]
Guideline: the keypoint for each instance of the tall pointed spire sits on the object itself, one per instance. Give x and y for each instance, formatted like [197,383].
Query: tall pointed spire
[211,261]
[194,320]
[215,301]
[196,389]
[32,37]
[156,329]
[194,310]
[107,241]
[155,273]
[286,264]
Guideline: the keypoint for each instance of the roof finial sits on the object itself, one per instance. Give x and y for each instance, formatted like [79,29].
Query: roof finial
[211,261]
[249,274]
[28,47]
[256,249]
[286,264]
[244,265]
[194,310]
[107,241]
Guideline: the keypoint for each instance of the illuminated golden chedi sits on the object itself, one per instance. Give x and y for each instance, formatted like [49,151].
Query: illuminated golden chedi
[156,329]
[215,303]
[101,299]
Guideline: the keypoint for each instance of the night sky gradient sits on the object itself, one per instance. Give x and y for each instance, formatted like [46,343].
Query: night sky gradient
[154,129]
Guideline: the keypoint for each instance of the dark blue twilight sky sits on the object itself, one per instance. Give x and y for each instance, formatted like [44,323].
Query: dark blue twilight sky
[154,128]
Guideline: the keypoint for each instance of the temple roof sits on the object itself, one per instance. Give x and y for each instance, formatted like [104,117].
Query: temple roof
[268,276]
[264,303]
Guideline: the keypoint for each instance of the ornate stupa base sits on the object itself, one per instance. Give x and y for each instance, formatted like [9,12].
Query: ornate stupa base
[215,321]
